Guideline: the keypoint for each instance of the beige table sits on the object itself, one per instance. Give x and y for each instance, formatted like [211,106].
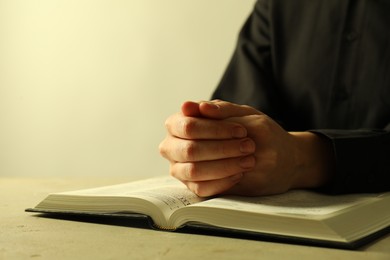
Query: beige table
[26,236]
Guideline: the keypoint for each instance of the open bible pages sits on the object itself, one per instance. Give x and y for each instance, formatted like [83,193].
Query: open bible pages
[168,199]
[156,197]
[297,202]
[298,215]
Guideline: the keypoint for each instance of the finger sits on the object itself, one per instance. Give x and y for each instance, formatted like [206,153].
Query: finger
[190,108]
[199,128]
[181,150]
[211,170]
[214,187]
[218,109]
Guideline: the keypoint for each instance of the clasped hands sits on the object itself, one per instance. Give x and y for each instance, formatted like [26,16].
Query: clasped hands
[217,147]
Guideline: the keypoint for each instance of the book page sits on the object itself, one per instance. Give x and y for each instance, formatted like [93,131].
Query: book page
[167,193]
[294,202]
[170,198]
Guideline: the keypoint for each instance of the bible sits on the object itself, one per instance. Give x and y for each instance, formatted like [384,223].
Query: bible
[298,216]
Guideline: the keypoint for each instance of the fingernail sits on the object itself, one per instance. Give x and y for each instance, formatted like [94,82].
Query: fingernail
[247,162]
[247,146]
[212,105]
[239,132]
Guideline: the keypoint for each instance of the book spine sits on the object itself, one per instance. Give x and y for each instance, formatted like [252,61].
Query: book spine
[163,228]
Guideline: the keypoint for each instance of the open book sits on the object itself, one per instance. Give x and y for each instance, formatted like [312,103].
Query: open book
[346,221]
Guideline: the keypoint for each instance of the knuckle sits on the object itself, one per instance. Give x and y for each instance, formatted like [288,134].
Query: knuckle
[188,126]
[168,123]
[188,151]
[263,121]
[199,189]
[167,148]
[162,149]
[172,171]
[176,171]
[246,107]
[191,171]
[260,118]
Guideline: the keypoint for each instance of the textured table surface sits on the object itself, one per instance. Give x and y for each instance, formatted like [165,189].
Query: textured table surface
[28,236]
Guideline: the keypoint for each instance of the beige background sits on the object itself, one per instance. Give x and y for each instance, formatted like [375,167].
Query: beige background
[85,85]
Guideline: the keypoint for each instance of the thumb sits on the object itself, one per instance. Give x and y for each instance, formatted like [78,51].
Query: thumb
[218,109]
[190,108]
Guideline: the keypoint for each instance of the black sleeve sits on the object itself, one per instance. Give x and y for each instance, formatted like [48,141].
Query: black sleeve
[362,156]
[362,160]
[248,78]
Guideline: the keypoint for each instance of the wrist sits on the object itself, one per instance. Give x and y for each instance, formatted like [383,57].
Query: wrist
[314,159]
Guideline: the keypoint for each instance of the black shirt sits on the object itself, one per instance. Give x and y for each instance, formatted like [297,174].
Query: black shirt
[321,66]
